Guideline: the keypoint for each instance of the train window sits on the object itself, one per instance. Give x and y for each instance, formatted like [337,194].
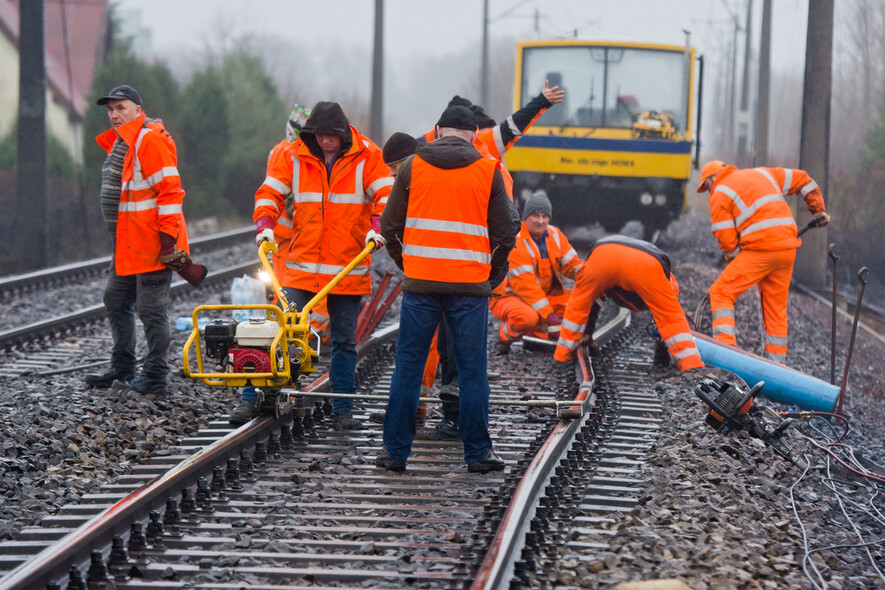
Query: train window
[607,86]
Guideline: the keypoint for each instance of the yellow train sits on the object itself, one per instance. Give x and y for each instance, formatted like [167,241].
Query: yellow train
[619,147]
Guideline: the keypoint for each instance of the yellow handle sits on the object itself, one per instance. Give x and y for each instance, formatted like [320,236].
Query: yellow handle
[370,247]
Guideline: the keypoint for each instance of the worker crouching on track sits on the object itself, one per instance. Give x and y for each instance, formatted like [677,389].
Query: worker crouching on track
[636,275]
[450,226]
[755,229]
[533,297]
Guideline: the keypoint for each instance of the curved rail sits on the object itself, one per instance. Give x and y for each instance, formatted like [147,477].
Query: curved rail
[497,567]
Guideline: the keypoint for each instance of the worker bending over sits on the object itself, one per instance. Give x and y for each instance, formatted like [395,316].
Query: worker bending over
[636,275]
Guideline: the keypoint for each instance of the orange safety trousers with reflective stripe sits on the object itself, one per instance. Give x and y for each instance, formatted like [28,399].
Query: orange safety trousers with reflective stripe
[446,237]
[772,271]
[518,319]
[616,265]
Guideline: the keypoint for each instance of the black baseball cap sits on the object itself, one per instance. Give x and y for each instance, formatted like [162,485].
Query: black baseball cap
[457,117]
[122,92]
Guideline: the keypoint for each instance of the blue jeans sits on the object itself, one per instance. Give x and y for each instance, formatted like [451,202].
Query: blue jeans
[343,313]
[448,369]
[467,319]
[148,295]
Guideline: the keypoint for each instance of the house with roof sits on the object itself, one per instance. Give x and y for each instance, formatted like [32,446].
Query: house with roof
[75,36]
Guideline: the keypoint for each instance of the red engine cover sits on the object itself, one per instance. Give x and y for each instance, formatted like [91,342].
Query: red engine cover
[249,360]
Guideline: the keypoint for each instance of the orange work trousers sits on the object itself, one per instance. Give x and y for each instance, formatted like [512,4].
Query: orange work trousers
[771,270]
[518,319]
[616,265]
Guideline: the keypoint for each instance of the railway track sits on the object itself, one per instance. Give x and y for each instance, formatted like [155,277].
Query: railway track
[294,502]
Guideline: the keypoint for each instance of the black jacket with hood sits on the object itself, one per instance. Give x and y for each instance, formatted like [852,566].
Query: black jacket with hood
[450,153]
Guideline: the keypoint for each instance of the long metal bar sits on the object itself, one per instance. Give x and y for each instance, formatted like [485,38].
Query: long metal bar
[862,277]
[497,567]
[831,252]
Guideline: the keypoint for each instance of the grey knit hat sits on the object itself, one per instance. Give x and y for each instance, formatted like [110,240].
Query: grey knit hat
[537,203]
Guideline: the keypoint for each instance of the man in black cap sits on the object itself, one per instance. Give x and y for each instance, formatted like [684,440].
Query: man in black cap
[141,198]
[450,226]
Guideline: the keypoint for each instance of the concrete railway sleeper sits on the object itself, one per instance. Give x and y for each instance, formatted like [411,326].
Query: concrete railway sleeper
[281,503]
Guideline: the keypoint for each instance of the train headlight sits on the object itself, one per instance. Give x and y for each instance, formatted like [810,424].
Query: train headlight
[660,199]
[646,199]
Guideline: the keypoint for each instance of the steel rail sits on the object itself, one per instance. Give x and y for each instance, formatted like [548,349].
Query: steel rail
[96,265]
[497,568]
[53,563]
[94,313]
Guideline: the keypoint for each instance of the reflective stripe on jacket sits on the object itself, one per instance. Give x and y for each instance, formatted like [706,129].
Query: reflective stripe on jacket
[749,211]
[446,236]
[151,196]
[331,213]
[532,281]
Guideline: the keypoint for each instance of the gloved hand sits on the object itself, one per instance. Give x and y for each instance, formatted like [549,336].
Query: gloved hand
[378,238]
[553,319]
[375,232]
[175,260]
[265,230]
[265,235]
[822,218]
[592,347]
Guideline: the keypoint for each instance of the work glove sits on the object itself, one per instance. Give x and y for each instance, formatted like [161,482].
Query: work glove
[592,346]
[180,261]
[375,232]
[375,236]
[822,218]
[553,319]
[265,230]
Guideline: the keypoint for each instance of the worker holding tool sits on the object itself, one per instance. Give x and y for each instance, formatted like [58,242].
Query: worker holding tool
[755,229]
[339,185]
[535,296]
[636,275]
[450,226]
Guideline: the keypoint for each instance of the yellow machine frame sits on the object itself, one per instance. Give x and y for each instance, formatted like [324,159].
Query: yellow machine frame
[294,331]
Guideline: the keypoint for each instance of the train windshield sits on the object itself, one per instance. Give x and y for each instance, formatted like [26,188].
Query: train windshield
[608,86]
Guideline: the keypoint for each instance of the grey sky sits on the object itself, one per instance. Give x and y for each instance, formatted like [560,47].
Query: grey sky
[421,31]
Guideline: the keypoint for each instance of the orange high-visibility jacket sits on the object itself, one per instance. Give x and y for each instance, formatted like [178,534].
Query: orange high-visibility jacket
[446,240]
[151,196]
[282,231]
[331,214]
[749,211]
[532,281]
[482,145]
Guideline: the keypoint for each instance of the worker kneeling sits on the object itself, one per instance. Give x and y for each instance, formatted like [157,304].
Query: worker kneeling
[532,299]
[636,275]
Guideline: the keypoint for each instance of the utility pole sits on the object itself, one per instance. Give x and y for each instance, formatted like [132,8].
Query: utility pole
[30,248]
[814,144]
[729,131]
[376,117]
[761,151]
[744,114]
[484,74]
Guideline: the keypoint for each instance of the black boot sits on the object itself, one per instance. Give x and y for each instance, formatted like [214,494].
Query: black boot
[105,379]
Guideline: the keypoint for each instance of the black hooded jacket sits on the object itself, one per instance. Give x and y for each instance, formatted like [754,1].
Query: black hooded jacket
[449,153]
[326,118]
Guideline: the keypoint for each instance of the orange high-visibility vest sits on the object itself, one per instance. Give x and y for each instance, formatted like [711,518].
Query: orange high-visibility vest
[151,196]
[749,211]
[331,214]
[485,145]
[446,237]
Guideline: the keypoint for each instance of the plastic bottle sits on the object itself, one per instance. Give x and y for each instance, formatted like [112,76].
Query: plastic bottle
[240,295]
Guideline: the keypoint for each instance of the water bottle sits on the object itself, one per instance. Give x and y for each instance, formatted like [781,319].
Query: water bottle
[240,295]
[184,323]
[258,296]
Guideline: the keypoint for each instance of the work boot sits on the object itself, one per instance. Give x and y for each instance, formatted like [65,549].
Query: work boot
[501,348]
[142,384]
[450,393]
[445,430]
[106,379]
[245,412]
[387,462]
[420,416]
[491,462]
[377,417]
[344,422]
